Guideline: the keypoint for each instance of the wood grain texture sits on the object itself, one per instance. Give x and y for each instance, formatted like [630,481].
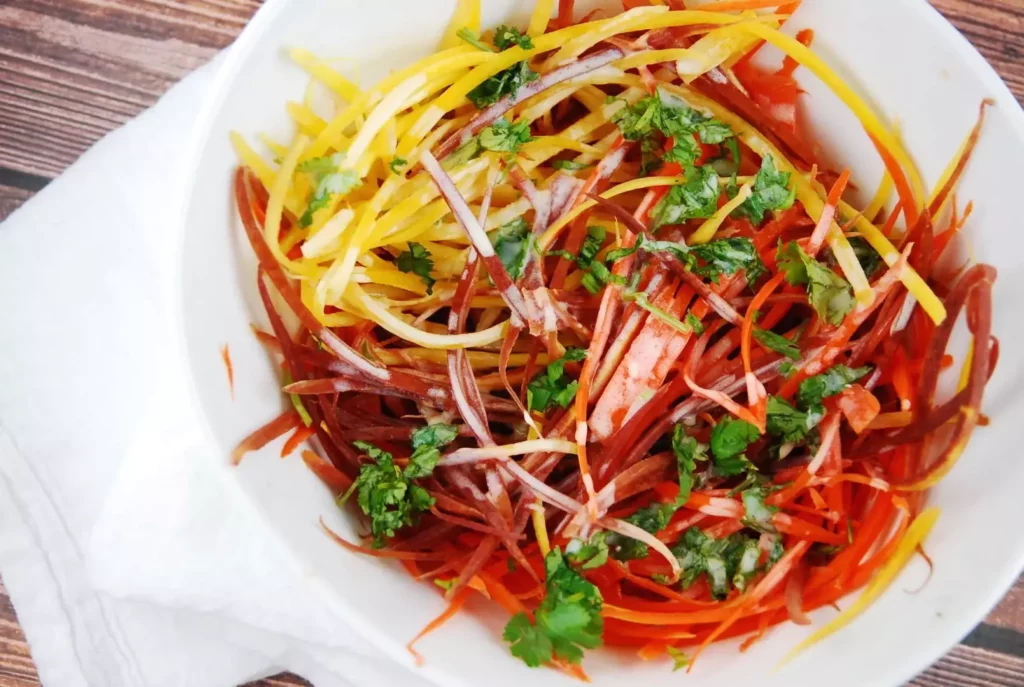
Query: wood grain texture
[73,70]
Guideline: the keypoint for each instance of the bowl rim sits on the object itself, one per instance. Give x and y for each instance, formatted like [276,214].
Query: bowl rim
[913,663]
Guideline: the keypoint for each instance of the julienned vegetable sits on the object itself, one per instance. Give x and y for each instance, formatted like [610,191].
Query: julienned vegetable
[577,337]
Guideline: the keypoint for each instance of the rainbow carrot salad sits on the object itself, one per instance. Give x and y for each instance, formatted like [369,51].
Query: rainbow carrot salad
[587,328]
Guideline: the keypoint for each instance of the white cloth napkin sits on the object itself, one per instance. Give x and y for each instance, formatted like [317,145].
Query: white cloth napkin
[130,561]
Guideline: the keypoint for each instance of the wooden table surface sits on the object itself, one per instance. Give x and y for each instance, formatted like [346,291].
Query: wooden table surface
[72,70]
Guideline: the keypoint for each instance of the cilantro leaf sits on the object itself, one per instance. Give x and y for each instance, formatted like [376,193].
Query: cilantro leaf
[721,560]
[728,256]
[434,436]
[829,383]
[507,36]
[591,246]
[829,294]
[529,642]
[504,136]
[427,443]
[679,658]
[867,256]
[777,343]
[731,437]
[321,166]
[695,198]
[551,387]
[687,451]
[790,424]
[396,165]
[656,117]
[678,118]
[758,515]
[417,260]
[567,621]
[511,242]
[694,323]
[770,192]
[639,120]
[570,165]
[685,149]
[652,519]
[588,554]
[469,150]
[473,38]
[746,567]
[507,82]
[387,495]
[330,181]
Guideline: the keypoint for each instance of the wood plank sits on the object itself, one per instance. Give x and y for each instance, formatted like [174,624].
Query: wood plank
[996,28]
[121,55]
[1010,611]
[15,659]
[10,198]
[970,667]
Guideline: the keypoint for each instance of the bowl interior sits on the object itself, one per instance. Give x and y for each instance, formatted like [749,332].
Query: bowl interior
[912,65]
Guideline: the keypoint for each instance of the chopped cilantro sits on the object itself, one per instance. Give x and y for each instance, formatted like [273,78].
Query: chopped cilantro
[657,117]
[396,165]
[729,439]
[687,451]
[588,554]
[567,621]
[569,165]
[829,383]
[867,256]
[507,36]
[512,243]
[641,299]
[770,192]
[695,198]
[329,181]
[504,136]
[685,149]
[679,658]
[469,150]
[652,519]
[319,167]
[746,568]
[786,369]
[417,260]
[725,561]
[388,495]
[829,294]
[790,424]
[694,323]
[777,343]
[551,387]
[591,246]
[728,256]
[639,120]
[507,82]
[758,515]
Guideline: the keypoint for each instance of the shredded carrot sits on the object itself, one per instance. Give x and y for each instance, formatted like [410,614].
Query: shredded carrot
[730,408]
[225,354]
[300,435]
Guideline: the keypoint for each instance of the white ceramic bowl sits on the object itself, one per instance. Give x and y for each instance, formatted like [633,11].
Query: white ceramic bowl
[908,61]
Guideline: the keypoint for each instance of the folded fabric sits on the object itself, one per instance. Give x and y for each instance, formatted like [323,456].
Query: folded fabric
[128,559]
